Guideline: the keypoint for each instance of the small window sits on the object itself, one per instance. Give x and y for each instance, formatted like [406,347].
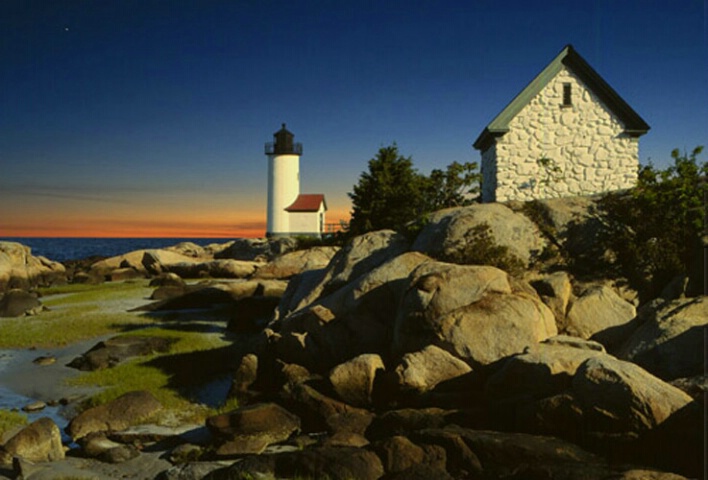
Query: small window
[567,95]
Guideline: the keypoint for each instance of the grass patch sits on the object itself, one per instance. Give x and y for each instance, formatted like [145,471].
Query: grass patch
[10,420]
[195,358]
[77,312]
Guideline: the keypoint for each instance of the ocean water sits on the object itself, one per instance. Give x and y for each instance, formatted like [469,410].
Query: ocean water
[63,249]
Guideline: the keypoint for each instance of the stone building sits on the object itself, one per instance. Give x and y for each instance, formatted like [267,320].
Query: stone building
[567,133]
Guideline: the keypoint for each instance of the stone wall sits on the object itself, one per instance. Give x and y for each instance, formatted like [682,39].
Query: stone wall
[584,140]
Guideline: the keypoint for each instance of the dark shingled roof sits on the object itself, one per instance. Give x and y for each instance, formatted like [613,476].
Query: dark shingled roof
[633,123]
[307,202]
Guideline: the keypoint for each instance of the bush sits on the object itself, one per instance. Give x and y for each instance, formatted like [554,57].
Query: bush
[480,248]
[654,230]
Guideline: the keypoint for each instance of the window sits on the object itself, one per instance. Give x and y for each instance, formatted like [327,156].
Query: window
[567,95]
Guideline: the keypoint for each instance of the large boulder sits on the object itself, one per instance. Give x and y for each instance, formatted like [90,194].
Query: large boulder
[257,249]
[670,343]
[16,303]
[251,429]
[470,311]
[142,261]
[421,371]
[323,462]
[359,257]
[354,319]
[20,269]
[293,263]
[599,313]
[111,352]
[119,414]
[354,380]
[221,268]
[543,370]
[619,396]
[38,442]
[556,291]
[449,231]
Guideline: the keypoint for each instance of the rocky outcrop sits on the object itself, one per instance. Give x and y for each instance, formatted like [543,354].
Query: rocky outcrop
[449,231]
[251,429]
[111,352]
[467,311]
[17,303]
[599,313]
[354,319]
[293,263]
[353,380]
[38,442]
[618,396]
[359,257]
[423,370]
[19,269]
[257,249]
[126,410]
[670,343]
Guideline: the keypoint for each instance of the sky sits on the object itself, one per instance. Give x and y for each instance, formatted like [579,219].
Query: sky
[147,118]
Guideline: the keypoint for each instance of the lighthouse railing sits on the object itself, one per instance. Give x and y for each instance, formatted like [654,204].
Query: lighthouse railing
[272,148]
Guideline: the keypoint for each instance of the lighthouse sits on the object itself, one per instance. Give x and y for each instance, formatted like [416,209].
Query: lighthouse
[289,212]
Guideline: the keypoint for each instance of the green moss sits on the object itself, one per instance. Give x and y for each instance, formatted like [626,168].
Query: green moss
[10,420]
[77,312]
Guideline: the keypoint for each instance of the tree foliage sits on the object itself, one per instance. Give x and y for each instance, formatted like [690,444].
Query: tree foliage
[392,194]
[654,231]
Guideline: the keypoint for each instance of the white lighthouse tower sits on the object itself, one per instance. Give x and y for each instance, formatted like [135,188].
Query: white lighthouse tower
[283,180]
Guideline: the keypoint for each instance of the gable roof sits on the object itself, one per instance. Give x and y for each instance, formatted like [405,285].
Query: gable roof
[634,124]
[307,202]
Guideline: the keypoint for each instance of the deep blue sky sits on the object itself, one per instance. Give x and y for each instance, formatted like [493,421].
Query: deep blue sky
[150,116]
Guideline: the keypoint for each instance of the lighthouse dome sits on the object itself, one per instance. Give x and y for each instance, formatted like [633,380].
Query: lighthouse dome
[283,143]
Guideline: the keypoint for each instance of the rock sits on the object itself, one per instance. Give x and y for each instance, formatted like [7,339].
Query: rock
[96,444]
[336,463]
[252,313]
[34,406]
[167,280]
[125,274]
[421,472]
[320,412]
[257,249]
[158,261]
[354,380]
[619,396]
[119,454]
[245,376]
[126,410]
[405,421]
[352,320]
[670,343]
[17,303]
[111,352]
[252,428]
[696,386]
[38,442]
[468,310]
[571,221]
[196,297]
[544,370]
[19,269]
[556,291]
[600,314]
[421,371]
[190,249]
[45,360]
[190,471]
[448,231]
[293,263]
[223,268]
[256,288]
[360,256]
[397,453]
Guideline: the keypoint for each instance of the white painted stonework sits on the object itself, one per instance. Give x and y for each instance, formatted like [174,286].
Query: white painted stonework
[283,189]
[584,140]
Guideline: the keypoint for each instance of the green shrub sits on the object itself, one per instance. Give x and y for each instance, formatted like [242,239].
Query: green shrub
[481,248]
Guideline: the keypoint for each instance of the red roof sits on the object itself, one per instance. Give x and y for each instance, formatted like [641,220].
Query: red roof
[307,202]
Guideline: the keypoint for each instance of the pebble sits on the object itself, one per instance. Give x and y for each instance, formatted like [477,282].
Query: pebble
[35,406]
[44,360]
